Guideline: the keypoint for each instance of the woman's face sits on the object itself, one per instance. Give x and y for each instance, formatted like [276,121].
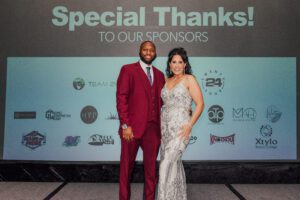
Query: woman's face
[177,65]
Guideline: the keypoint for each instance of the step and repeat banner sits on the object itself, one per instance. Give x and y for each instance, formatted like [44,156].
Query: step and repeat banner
[60,61]
[65,109]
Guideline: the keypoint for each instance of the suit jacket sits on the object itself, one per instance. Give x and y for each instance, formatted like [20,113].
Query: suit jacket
[133,96]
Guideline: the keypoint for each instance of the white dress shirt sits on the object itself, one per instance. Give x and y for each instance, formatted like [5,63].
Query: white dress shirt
[144,67]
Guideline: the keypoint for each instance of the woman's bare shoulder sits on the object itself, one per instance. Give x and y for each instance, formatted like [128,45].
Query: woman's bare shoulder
[190,78]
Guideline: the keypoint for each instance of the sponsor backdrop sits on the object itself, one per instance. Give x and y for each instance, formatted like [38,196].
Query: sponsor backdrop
[250,109]
[59,63]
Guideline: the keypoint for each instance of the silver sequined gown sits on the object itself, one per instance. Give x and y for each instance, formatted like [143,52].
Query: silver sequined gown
[175,113]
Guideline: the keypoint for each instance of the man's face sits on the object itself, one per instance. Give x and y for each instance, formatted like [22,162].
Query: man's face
[147,53]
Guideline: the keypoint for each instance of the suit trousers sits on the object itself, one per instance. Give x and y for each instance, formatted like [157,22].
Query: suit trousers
[149,142]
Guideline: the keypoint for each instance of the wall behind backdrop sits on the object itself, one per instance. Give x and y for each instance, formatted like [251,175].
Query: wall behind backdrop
[60,61]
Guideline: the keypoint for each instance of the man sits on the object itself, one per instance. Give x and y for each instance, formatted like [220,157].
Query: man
[138,104]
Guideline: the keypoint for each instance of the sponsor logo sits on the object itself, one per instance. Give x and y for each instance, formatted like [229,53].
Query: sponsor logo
[112,117]
[215,114]
[193,139]
[55,115]
[78,83]
[266,130]
[102,83]
[273,114]
[99,140]
[33,140]
[213,82]
[89,114]
[243,114]
[25,115]
[266,141]
[71,141]
[218,139]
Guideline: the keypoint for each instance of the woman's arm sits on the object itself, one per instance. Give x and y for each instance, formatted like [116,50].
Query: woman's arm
[196,94]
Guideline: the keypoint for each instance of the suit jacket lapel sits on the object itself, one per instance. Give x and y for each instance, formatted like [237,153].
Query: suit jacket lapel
[143,77]
[156,81]
[155,74]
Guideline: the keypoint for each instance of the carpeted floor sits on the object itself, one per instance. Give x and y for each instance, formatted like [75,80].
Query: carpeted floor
[107,191]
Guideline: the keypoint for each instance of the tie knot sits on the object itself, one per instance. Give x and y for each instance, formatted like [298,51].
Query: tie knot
[148,69]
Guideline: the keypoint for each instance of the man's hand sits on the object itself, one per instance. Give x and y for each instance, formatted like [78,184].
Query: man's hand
[127,134]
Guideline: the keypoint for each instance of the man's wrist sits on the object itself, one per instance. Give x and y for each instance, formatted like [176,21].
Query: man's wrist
[124,126]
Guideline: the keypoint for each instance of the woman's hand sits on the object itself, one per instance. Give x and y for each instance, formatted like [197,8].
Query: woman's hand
[185,131]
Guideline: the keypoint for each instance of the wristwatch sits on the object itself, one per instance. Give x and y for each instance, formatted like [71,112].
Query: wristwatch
[124,126]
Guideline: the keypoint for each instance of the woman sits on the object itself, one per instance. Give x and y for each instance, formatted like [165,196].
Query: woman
[177,120]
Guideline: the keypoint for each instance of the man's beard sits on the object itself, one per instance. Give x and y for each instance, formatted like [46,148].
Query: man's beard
[145,61]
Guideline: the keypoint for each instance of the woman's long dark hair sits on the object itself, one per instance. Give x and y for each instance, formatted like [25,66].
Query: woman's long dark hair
[182,53]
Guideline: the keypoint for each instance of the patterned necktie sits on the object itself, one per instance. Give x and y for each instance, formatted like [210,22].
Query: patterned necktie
[149,75]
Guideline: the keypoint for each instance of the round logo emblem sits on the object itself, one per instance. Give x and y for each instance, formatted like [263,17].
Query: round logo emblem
[215,113]
[89,114]
[78,83]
